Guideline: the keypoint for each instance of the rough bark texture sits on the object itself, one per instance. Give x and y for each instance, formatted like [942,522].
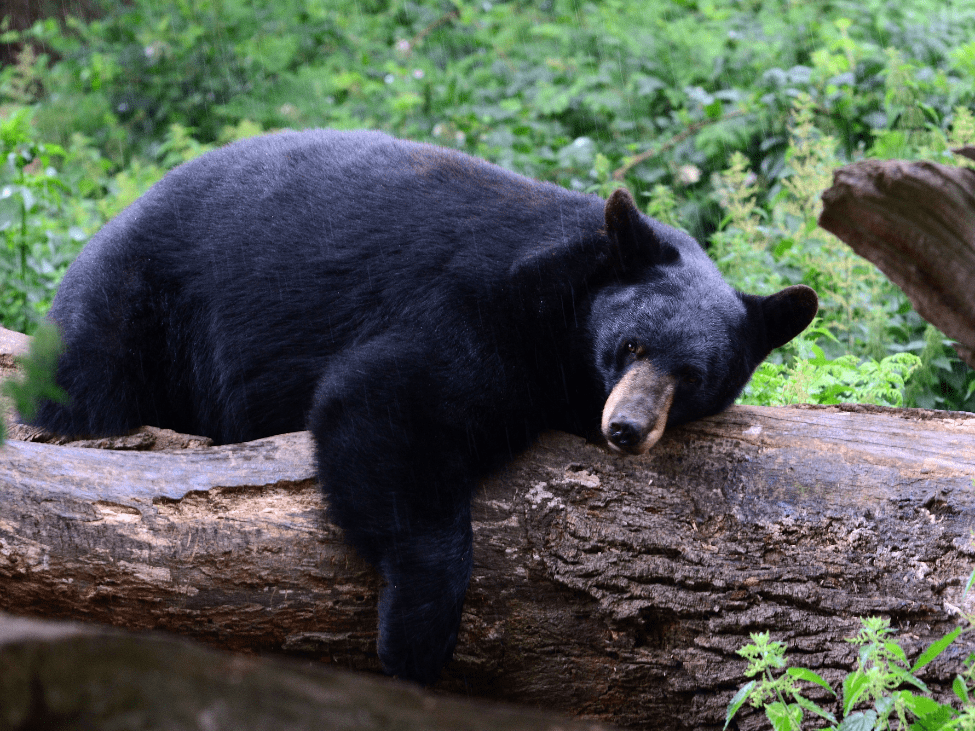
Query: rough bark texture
[916,222]
[613,588]
[75,677]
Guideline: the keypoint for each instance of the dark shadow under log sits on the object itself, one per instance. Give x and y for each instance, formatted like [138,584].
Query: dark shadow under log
[612,588]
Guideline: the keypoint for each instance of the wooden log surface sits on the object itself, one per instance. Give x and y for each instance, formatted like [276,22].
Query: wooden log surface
[916,222]
[614,588]
[68,676]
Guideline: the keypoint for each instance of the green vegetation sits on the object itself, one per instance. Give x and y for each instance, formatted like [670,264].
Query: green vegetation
[883,692]
[37,381]
[726,118]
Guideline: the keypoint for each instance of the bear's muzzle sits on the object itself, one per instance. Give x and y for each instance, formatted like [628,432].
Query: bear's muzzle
[636,410]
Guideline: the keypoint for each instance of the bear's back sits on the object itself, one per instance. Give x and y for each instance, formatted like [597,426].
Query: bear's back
[332,204]
[241,273]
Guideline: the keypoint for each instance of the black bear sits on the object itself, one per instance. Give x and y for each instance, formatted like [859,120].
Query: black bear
[426,314]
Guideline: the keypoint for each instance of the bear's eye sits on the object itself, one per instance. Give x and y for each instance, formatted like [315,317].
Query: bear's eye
[632,349]
[689,376]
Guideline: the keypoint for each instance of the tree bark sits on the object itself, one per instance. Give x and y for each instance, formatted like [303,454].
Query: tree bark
[916,222]
[613,588]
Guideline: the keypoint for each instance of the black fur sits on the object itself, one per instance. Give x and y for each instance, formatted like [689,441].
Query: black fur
[424,313]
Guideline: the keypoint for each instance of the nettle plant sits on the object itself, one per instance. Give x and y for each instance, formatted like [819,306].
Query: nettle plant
[883,692]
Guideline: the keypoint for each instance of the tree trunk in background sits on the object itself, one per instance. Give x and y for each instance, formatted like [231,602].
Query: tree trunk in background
[916,222]
[613,588]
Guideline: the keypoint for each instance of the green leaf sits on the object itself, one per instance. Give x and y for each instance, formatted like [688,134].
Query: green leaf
[853,686]
[738,701]
[783,247]
[784,717]
[916,682]
[921,706]
[39,368]
[883,706]
[809,676]
[971,578]
[961,689]
[814,708]
[938,719]
[895,650]
[935,649]
[859,721]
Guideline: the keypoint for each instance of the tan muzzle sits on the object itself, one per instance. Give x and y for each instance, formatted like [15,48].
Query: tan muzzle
[636,411]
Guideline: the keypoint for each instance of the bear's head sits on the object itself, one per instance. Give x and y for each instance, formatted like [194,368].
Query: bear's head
[673,341]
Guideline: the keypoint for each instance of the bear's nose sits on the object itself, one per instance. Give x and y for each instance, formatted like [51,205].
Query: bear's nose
[625,433]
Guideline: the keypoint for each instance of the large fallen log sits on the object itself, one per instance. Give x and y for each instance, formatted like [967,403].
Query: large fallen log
[916,222]
[67,676]
[613,588]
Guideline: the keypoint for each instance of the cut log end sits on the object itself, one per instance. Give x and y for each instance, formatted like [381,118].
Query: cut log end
[916,222]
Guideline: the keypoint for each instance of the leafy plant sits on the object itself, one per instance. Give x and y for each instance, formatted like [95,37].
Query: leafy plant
[883,692]
[810,377]
[37,246]
[52,197]
[37,382]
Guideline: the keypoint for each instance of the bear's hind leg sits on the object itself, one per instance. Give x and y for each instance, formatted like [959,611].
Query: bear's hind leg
[111,374]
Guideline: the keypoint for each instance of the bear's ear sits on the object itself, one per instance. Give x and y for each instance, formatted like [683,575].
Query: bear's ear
[787,313]
[634,240]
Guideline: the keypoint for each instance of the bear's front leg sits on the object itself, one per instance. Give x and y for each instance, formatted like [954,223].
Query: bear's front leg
[398,471]
[426,574]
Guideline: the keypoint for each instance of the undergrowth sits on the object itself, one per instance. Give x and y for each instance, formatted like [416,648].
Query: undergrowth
[724,119]
[868,345]
[883,692]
